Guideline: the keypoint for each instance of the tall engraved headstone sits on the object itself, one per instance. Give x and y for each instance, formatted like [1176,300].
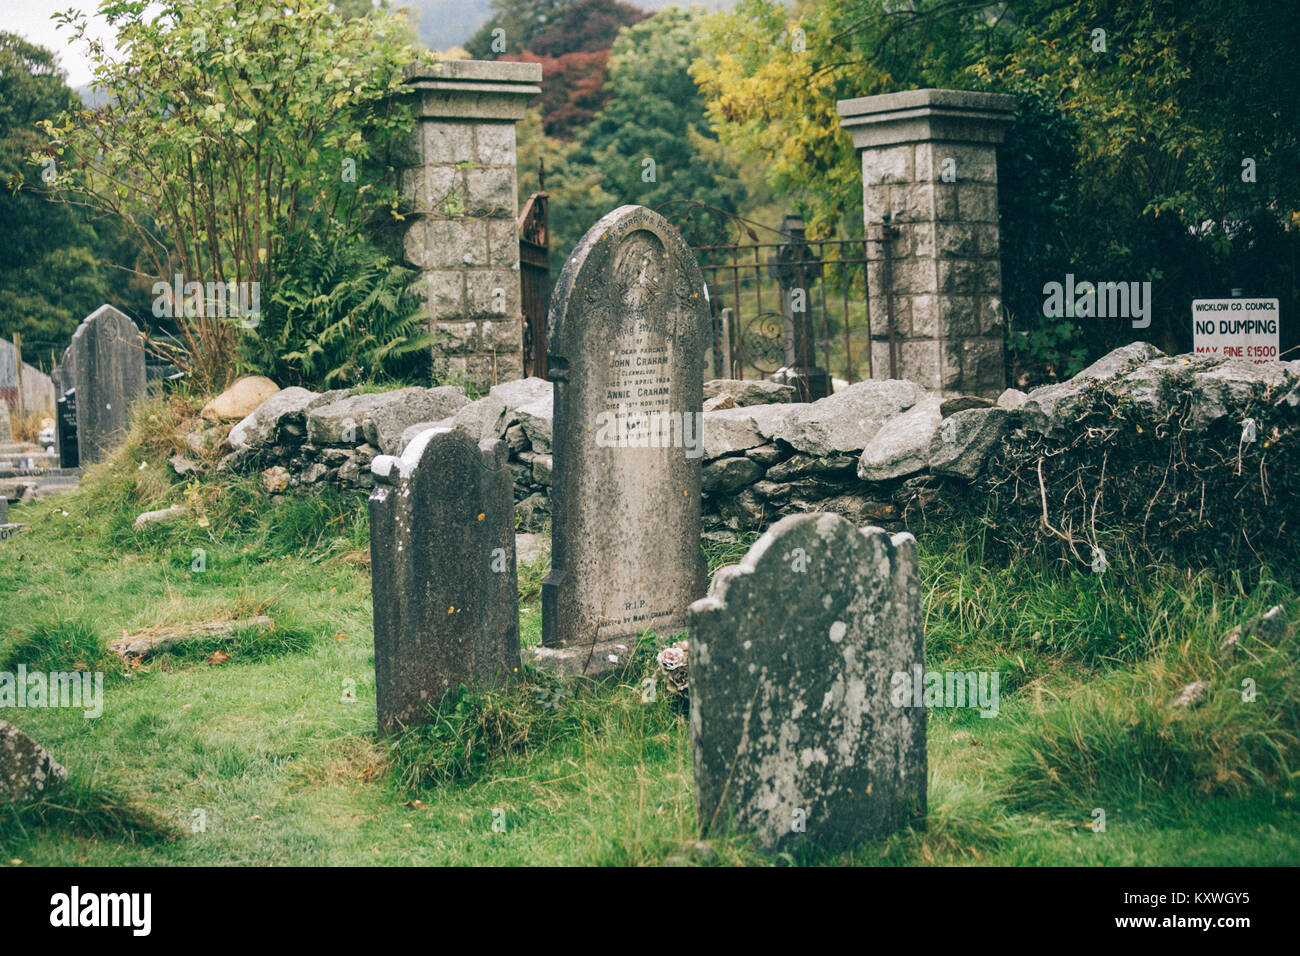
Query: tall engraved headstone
[795,736]
[105,364]
[627,335]
[442,571]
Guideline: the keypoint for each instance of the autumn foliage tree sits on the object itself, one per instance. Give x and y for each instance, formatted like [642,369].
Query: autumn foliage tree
[573,89]
[571,41]
[1128,160]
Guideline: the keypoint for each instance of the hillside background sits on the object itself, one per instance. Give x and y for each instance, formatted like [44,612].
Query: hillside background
[444,23]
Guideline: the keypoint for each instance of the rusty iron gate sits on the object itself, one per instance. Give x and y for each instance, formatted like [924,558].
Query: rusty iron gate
[534,281]
[779,301]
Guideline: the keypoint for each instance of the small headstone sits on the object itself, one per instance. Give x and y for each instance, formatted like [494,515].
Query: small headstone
[794,733]
[6,424]
[27,771]
[442,570]
[105,365]
[65,436]
[628,329]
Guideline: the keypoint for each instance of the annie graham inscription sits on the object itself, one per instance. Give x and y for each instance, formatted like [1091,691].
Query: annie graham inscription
[625,352]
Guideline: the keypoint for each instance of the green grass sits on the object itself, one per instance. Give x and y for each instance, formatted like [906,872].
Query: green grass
[260,761]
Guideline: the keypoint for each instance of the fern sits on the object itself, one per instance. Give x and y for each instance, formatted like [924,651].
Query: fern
[340,313]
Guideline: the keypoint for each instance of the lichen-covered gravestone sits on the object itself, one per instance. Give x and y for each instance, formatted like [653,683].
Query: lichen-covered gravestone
[442,570]
[794,734]
[626,342]
[27,771]
[105,364]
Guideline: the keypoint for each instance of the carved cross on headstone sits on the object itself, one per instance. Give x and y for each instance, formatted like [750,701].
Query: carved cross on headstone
[796,267]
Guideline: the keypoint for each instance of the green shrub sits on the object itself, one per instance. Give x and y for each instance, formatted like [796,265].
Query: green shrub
[339,313]
[53,644]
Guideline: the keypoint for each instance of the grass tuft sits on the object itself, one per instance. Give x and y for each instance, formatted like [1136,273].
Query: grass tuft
[81,810]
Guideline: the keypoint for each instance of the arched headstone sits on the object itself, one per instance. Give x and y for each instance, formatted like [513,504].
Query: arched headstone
[628,329]
[105,365]
[797,733]
[442,570]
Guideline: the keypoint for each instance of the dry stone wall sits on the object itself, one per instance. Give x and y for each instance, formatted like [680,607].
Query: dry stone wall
[877,452]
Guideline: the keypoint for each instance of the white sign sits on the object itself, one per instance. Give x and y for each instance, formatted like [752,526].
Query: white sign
[1236,328]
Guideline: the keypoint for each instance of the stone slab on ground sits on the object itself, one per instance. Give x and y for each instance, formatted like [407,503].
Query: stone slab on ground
[142,644]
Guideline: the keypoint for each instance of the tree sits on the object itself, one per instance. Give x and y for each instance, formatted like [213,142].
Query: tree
[573,90]
[573,185]
[652,111]
[572,44]
[517,21]
[1127,161]
[584,27]
[51,274]
[771,80]
[652,141]
[232,128]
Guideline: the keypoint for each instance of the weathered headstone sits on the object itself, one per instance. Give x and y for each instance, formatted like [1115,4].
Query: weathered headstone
[794,734]
[105,365]
[442,569]
[6,425]
[628,331]
[27,771]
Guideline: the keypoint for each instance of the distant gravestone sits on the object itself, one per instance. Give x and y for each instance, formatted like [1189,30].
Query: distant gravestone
[794,734]
[627,336]
[105,365]
[65,432]
[442,567]
[6,425]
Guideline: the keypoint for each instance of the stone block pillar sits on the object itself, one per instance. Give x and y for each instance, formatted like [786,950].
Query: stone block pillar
[463,236]
[930,177]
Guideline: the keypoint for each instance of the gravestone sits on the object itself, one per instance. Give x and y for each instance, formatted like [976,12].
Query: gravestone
[442,570]
[105,366]
[628,329]
[65,432]
[27,771]
[6,425]
[794,734]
